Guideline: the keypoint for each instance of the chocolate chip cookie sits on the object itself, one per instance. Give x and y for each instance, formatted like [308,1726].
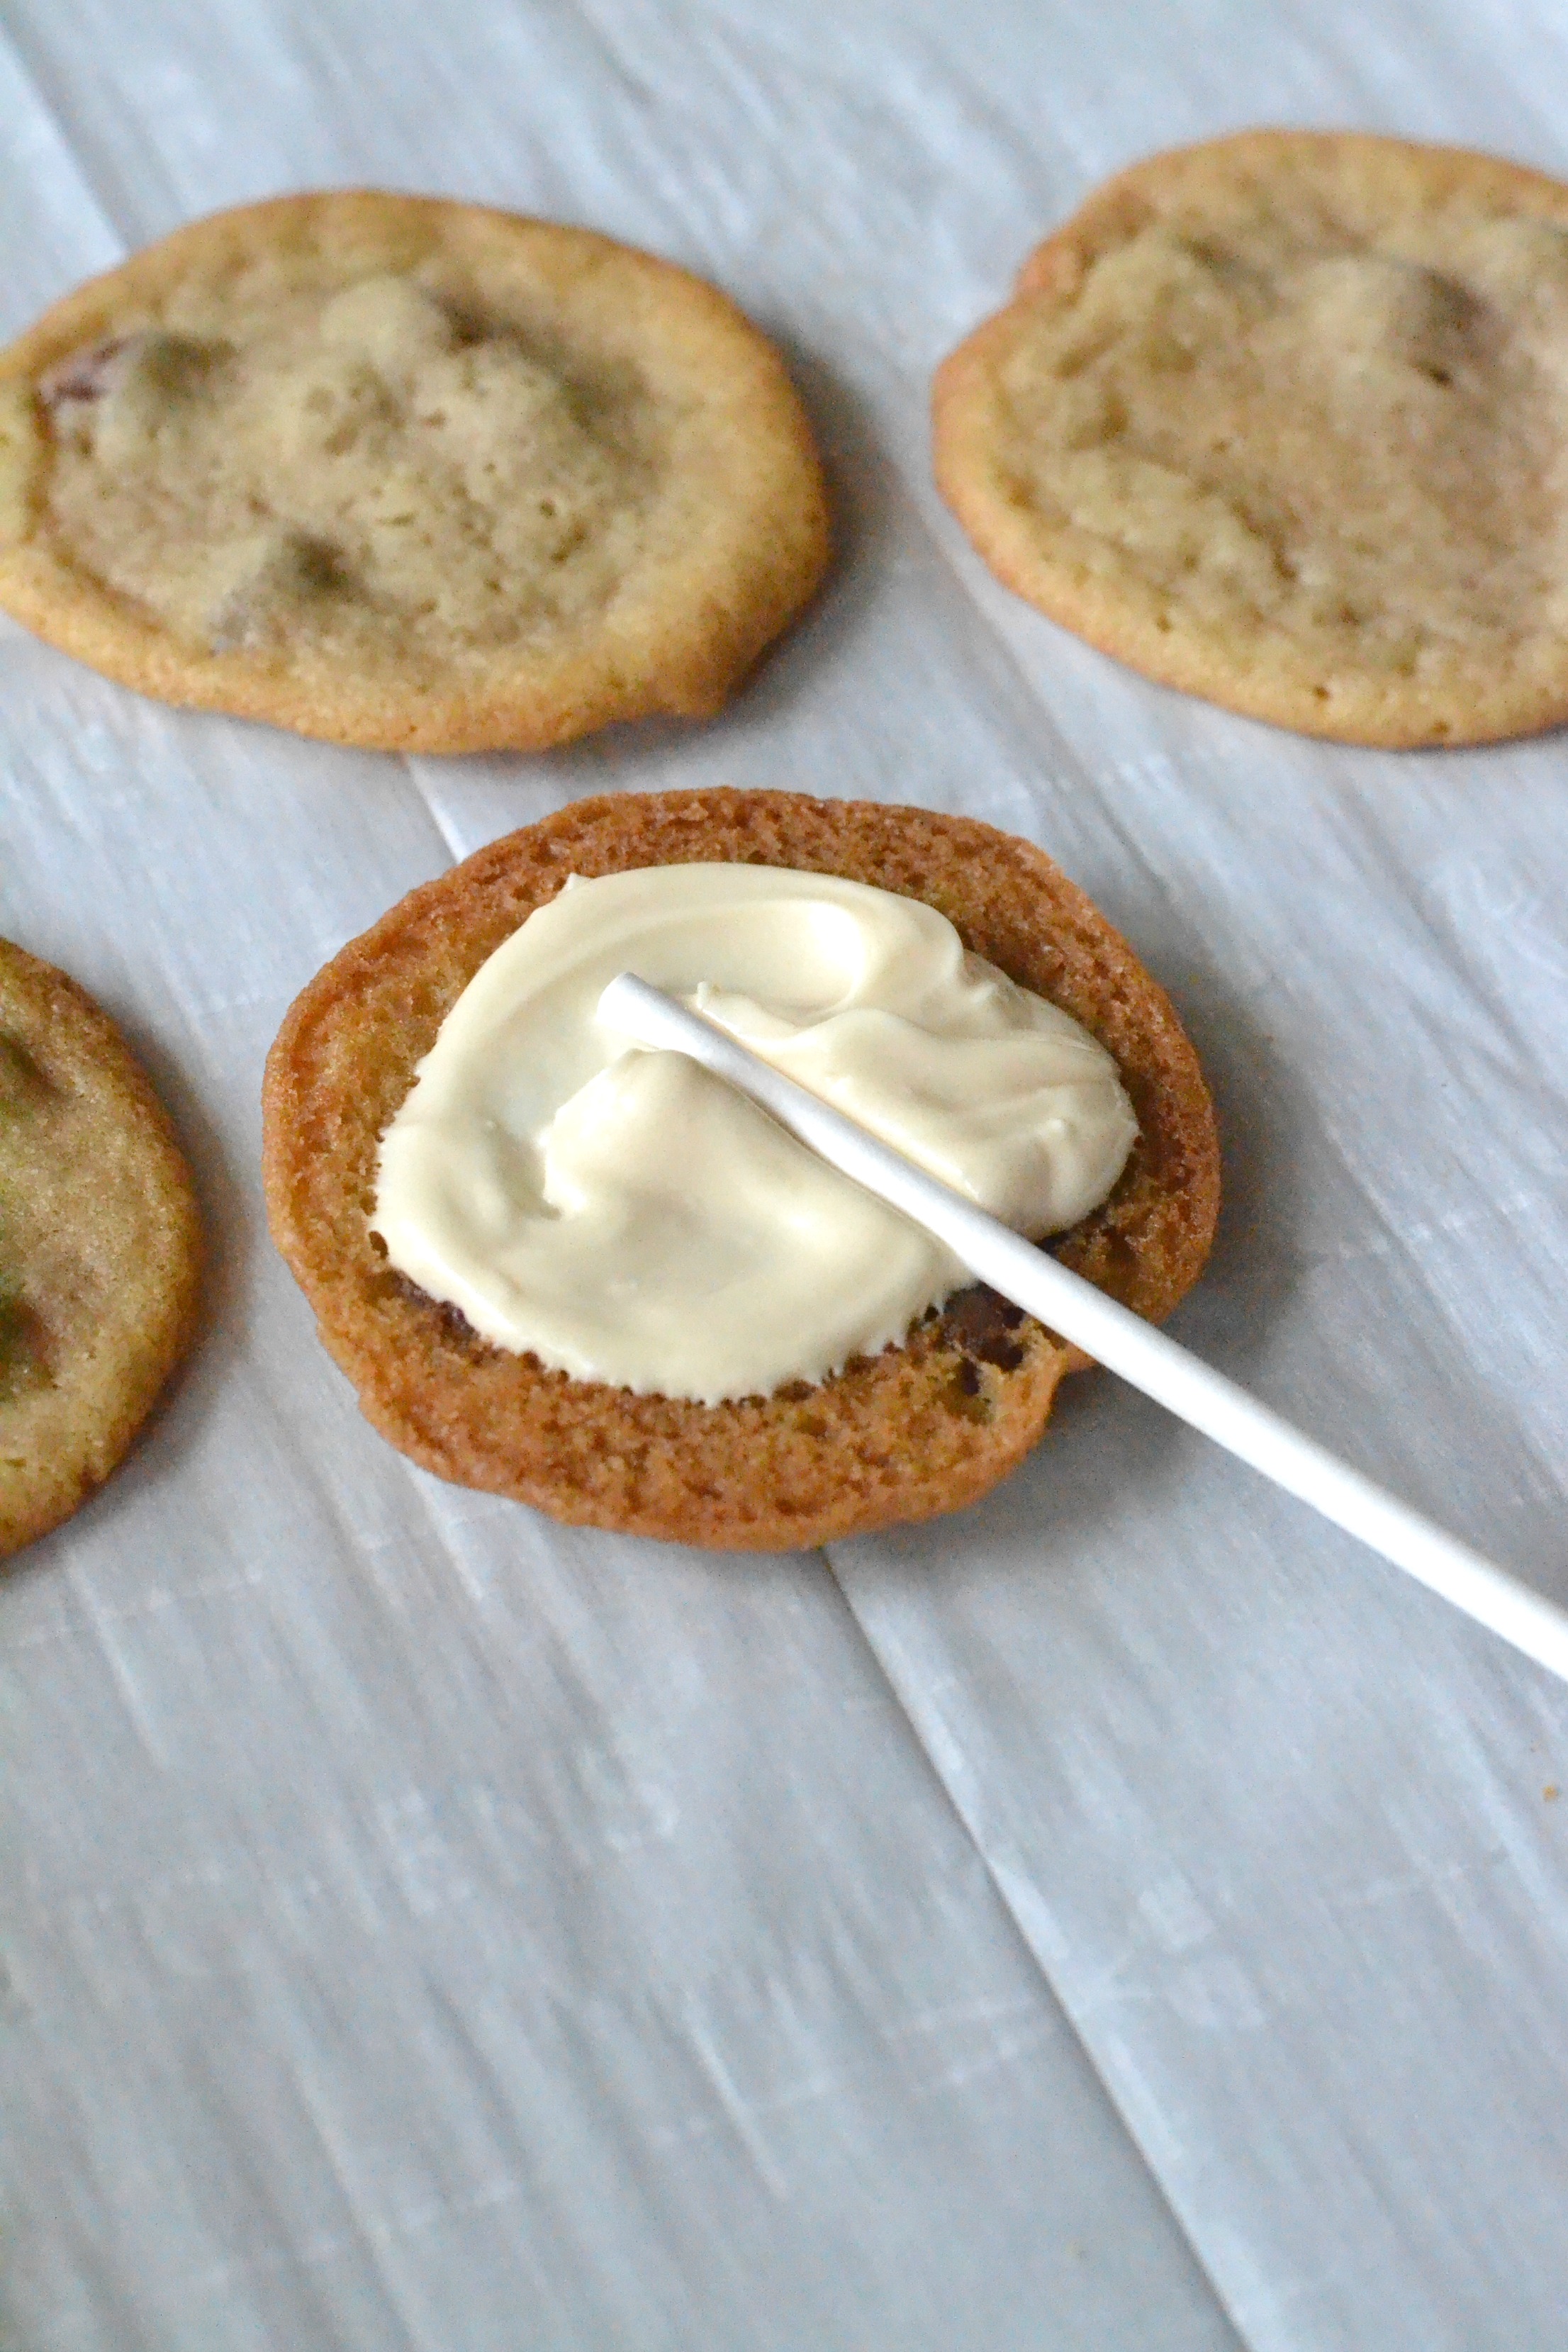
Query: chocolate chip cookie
[99,1247]
[407,474]
[919,1429]
[1283,420]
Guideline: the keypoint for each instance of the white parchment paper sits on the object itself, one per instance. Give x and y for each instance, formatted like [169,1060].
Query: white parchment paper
[1121,1916]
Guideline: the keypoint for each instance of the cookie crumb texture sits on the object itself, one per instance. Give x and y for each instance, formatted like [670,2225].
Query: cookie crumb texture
[1283,420]
[406,474]
[917,1430]
[99,1247]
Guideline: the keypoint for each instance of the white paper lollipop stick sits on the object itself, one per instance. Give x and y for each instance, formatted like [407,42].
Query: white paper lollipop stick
[1115,1337]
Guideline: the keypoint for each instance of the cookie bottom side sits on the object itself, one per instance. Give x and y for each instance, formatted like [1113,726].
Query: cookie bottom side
[921,1429]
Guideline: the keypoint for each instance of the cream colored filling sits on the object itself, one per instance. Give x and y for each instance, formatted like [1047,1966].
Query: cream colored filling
[627,1218]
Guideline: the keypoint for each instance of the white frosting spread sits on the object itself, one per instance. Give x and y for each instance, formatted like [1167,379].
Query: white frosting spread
[626,1217]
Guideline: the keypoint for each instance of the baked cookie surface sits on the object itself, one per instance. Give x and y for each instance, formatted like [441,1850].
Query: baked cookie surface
[406,473]
[917,1430]
[1282,420]
[99,1247]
